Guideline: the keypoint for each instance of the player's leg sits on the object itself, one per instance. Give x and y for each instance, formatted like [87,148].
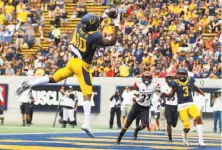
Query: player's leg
[85,82]
[59,75]
[194,125]
[124,114]
[22,108]
[112,113]
[175,116]
[195,114]
[2,119]
[71,116]
[169,119]
[27,112]
[144,114]
[157,118]
[215,121]
[65,117]
[138,120]
[118,115]
[162,120]
[184,116]
[220,124]
[132,115]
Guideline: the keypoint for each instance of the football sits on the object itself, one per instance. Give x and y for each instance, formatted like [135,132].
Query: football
[112,13]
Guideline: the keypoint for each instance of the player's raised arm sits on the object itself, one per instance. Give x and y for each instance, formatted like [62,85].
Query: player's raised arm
[115,16]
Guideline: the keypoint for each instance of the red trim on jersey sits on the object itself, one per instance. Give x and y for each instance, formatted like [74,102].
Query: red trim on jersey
[135,87]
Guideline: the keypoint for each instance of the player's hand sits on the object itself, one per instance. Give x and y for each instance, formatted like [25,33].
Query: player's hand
[104,14]
[116,21]
[162,95]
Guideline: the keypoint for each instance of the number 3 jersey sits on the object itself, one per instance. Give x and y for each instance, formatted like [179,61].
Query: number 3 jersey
[169,101]
[184,91]
[145,93]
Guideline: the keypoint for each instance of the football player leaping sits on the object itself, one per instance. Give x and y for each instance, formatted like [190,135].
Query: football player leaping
[184,86]
[145,89]
[85,41]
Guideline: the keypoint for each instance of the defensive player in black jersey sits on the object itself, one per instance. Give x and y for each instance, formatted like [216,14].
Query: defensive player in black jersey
[86,39]
[171,111]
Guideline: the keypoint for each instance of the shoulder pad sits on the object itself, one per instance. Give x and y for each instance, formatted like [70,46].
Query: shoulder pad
[174,83]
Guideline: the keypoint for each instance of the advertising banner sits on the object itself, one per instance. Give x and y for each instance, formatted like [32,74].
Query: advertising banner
[47,97]
[4,95]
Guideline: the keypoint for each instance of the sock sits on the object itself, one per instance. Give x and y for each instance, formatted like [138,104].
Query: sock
[23,121]
[121,135]
[200,131]
[87,112]
[170,137]
[39,81]
[139,128]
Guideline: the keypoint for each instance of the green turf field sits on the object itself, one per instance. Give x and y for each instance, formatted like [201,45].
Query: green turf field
[45,137]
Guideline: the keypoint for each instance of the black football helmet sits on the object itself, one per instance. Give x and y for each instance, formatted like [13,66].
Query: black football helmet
[182,74]
[90,22]
[169,78]
[147,77]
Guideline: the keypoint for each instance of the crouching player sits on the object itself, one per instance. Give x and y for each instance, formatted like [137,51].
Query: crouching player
[145,89]
[184,86]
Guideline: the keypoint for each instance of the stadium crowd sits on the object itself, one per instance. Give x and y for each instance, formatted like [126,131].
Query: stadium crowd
[155,35]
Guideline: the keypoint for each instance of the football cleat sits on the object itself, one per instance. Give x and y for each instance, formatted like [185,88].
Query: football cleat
[23,88]
[88,131]
[201,143]
[170,141]
[135,135]
[185,139]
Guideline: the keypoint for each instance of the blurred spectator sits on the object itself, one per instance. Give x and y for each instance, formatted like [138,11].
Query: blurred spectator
[81,10]
[57,14]
[29,36]
[64,18]
[2,19]
[127,96]
[56,33]
[19,38]
[2,115]
[7,37]
[44,4]
[9,71]
[23,15]
[217,107]
[11,28]
[110,72]
[51,8]
[9,11]
[115,108]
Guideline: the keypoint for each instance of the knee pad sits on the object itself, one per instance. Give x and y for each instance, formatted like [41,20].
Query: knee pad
[186,130]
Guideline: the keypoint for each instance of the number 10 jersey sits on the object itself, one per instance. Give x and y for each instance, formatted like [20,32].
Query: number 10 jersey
[145,93]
